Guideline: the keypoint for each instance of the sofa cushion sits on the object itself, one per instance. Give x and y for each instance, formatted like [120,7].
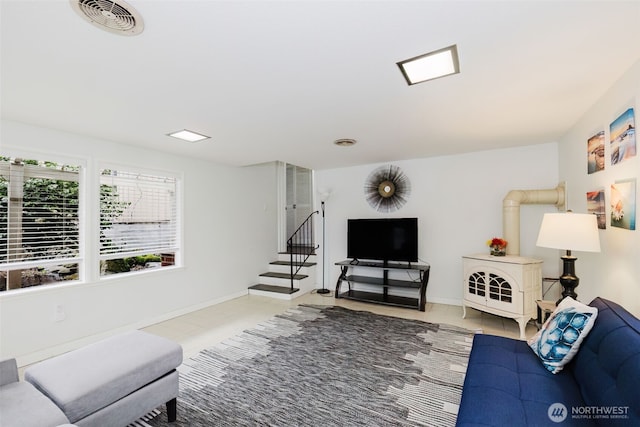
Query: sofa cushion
[608,363]
[559,339]
[21,405]
[506,384]
[8,371]
[86,380]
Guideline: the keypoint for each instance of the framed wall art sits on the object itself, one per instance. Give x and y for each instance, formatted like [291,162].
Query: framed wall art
[596,206]
[622,137]
[623,204]
[595,152]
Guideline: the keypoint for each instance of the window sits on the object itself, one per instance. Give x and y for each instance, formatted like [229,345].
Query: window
[39,223]
[138,221]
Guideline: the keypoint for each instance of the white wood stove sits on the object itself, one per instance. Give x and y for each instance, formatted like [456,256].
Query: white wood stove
[506,286]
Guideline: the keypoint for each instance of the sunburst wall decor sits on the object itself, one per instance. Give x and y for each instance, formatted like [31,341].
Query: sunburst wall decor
[387,189]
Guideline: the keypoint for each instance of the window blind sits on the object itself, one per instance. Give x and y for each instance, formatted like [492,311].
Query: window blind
[138,214]
[38,212]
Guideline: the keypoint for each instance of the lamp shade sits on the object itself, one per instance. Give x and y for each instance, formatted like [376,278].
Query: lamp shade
[569,231]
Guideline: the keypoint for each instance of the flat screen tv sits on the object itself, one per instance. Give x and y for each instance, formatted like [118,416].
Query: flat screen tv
[385,239]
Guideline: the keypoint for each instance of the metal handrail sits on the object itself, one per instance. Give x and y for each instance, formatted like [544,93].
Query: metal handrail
[298,246]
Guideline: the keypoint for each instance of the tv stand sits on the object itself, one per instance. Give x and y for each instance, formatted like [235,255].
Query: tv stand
[384,282]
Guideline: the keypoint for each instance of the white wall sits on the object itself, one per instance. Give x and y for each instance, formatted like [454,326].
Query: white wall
[615,272]
[229,237]
[458,202]
[230,228]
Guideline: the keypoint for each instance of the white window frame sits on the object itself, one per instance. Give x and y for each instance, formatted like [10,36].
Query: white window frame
[178,250]
[80,260]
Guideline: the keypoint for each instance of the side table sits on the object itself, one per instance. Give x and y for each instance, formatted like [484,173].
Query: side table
[545,308]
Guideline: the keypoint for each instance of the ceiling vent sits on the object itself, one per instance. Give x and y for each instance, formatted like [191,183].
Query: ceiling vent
[113,16]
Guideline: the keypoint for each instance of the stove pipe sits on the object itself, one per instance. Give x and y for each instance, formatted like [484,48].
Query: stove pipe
[511,211]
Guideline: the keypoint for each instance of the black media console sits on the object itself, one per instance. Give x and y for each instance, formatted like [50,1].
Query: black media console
[385,282]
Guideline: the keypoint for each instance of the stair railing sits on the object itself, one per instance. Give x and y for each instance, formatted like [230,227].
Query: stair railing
[300,246]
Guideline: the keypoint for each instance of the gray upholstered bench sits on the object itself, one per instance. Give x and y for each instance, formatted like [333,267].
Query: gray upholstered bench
[112,382]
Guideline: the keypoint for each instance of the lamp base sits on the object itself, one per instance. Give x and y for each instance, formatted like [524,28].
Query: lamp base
[568,280]
[323,291]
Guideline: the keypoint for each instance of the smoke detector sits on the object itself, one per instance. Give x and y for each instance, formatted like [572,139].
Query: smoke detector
[344,142]
[114,16]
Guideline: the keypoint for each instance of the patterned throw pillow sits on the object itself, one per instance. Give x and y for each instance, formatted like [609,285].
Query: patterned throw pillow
[561,335]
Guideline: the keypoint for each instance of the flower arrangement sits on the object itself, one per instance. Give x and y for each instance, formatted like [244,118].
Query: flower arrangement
[498,246]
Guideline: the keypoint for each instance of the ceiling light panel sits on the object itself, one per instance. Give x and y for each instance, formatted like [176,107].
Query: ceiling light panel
[187,135]
[432,65]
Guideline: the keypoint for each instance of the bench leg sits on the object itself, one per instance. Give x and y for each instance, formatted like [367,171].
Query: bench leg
[172,410]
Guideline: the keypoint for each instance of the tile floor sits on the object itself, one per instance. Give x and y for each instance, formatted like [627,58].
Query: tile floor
[200,329]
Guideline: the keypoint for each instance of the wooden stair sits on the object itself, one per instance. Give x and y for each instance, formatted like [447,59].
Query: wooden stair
[276,283]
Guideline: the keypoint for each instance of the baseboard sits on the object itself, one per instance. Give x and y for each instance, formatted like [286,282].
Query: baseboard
[447,301]
[47,353]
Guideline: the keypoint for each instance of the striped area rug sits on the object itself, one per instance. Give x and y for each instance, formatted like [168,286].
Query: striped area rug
[326,366]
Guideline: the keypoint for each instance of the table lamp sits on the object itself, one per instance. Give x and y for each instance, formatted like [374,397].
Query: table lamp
[569,231]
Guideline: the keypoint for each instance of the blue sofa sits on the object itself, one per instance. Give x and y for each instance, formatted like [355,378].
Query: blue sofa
[507,385]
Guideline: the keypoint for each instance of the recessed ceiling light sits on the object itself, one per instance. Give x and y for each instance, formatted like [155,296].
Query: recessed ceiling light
[344,142]
[187,135]
[432,65]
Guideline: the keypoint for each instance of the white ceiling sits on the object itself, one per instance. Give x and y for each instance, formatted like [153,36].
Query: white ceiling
[281,80]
